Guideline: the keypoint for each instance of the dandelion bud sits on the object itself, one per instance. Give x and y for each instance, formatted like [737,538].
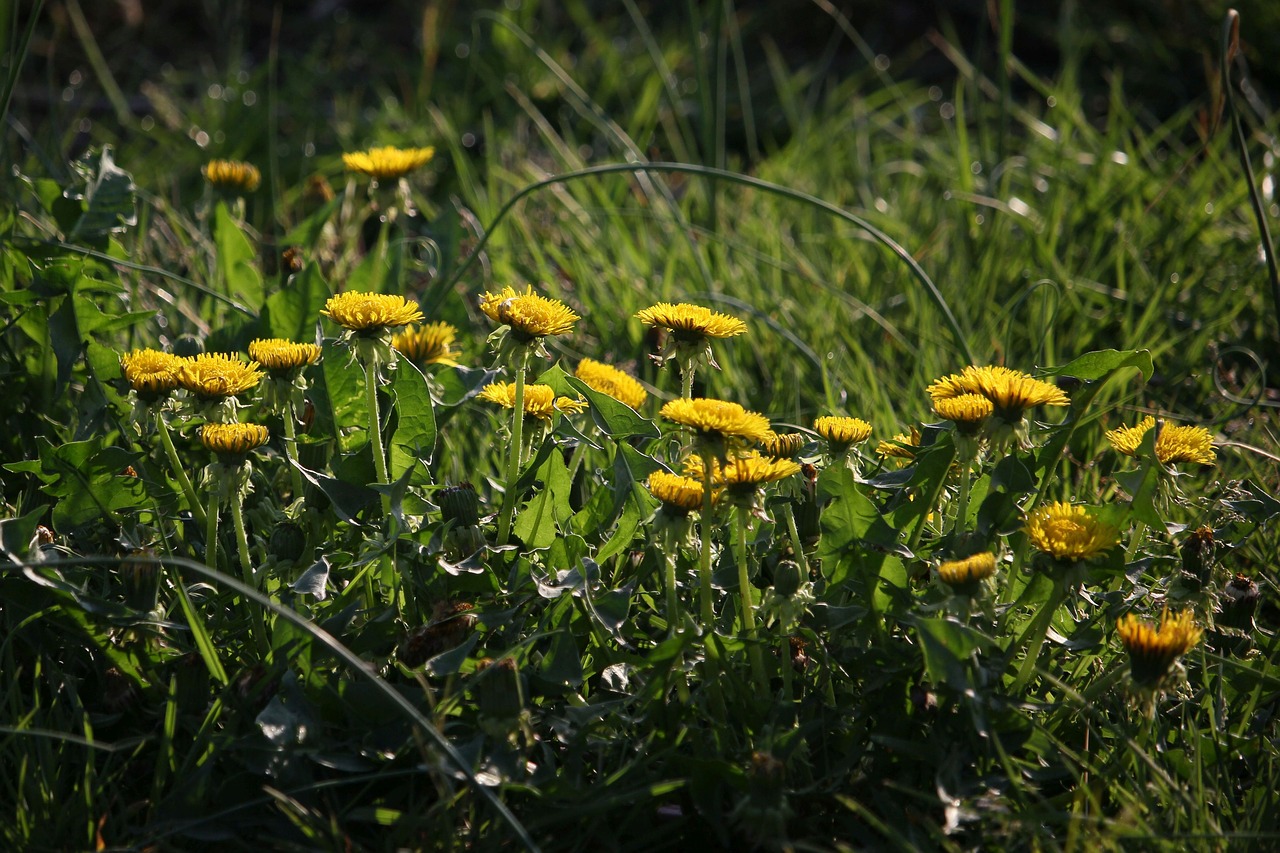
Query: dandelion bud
[288,542]
[460,504]
[787,578]
[1198,551]
[141,575]
[188,346]
[1239,602]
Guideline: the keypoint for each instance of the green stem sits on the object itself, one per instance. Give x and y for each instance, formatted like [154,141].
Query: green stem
[375,433]
[962,504]
[745,591]
[686,379]
[197,508]
[242,542]
[930,502]
[513,459]
[211,535]
[673,601]
[704,561]
[794,534]
[290,450]
[1033,638]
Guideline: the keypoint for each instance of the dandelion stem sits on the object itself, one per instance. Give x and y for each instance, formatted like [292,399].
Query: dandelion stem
[686,379]
[375,432]
[513,459]
[673,601]
[211,535]
[291,451]
[242,541]
[704,561]
[1033,638]
[745,590]
[794,534]
[962,503]
[197,508]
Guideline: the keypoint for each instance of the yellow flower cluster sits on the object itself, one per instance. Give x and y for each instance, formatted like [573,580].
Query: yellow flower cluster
[529,315]
[233,440]
[842,432]
[387,162]
[431,343]
[719,419]
[214,376]
[964,573]
[1153,651]
[750,470]
[279,356]
[1010,391]
[1069,532]
[151,373]
[1176,443]
[784,446]
[901,446]
[691,322]
[682,494]
[370,313]
[232,175]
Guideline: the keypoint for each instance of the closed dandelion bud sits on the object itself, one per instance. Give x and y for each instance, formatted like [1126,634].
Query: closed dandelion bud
[1198,551]
[499,691]
[288,542]
[787,578]
[141,575]
[460,504]
[1239,602]
[188,346]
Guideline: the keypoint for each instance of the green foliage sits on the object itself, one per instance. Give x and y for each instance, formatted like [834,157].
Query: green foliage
[344,653]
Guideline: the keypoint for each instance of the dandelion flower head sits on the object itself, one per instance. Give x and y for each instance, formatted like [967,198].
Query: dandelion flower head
[280,356]
[211,376]
[688,322]
[529,315]
[387,162]
[1069,532]
[1153,651]
[966,411]
[430,343]
[901,446]
[540,401]
[962,573]
[232,175]
[718,420]
[608,379]
[783,446]
[682,494]
[842,432]
[1176,443]
[1010,391]
[749,470]
[151,373]
[370,313]
[231,440]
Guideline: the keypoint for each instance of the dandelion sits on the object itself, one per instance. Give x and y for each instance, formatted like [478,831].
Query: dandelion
[1176,443]
[679,495]
[151,374]
[1154,652]
[430,343]
[1011,393]
[1238,604]
[530,317]
[718,424]
[965,576]
[387,162]
[540,401]
[370,314]
[282,358]
[902,446]
[232,175]
[609,380]
[232,442]
[967,411]
[1069,533]
[784,446]
[842,433]
[217,376]
[742,475]
[691,329]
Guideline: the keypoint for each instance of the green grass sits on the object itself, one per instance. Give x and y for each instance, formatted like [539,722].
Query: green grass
[150,700]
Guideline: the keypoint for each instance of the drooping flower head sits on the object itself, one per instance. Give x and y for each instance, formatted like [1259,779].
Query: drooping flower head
[690,329]
[216,375]
[967,411]
[152,374]
[370,314]
[842,433]
[1011,393]
[718,426]
[232,175]
[901,447]
[430,343]
[1069,533]
[387,162]
[1154,652]
[1176,443]
[608,379]
[965,576]
[540,401]
[529,316]
[680,495]
[282,358]
[232,443]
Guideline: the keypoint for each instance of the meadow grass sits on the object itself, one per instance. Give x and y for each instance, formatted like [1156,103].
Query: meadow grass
[364,662]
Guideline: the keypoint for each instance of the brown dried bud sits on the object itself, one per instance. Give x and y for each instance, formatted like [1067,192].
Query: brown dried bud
[1239,602]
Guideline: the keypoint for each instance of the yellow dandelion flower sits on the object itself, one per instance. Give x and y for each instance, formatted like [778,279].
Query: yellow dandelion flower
[529,315]
[967,411]
[783,446]
[902,446]
[1153,652]
[388,161]
[216,375]
[430,343]
[280,356]
[964,575]
[1176,443]
[540,401]
[233,440]
[1010,391]
[842,432]
[718,421]
[608,379]
[750,470]
[151,373]
[691,322]
[1069,532]
[232,175]
[370,313]
[682,494]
